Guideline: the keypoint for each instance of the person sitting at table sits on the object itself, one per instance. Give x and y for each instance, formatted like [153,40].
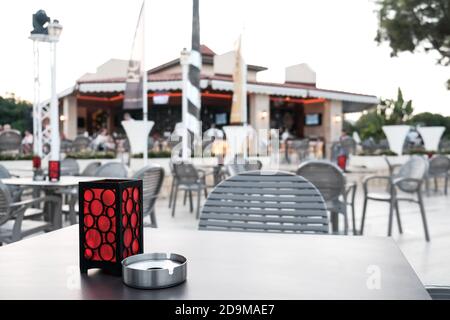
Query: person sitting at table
[27,142]
[103,141]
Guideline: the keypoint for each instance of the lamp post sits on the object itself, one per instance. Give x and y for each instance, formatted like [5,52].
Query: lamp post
[54,31]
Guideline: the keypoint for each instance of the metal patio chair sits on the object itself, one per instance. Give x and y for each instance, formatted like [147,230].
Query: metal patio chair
[112,170]
[438,168]
[331,182]
[91,169]
[16,192]
[265,201]
[66,145]
[81,143]
[10,141]
[13,223]
[189,179]
[70,167]
[152,179]
[409,180]
[301,147]
[239,165]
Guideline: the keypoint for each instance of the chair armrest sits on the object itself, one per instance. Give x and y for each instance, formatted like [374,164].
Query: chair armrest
[27,203]
[366,181]
[397,181]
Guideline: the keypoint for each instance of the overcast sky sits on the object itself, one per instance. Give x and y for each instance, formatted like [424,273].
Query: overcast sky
[334,37]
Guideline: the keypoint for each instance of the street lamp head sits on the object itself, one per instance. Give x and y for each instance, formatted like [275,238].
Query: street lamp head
[54,30]
[40,19]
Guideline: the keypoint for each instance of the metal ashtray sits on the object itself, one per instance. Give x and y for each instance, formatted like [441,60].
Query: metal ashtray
[154,270]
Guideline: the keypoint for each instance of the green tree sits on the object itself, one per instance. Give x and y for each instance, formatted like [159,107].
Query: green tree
[432,119]
[388,112]
[410,25]
[17,113]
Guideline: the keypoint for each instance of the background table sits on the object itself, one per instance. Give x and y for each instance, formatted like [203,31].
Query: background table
[50,189]
[221,265]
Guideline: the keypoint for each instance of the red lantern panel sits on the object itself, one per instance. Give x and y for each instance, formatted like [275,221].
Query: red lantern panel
[130,221]
[99,225]
[54,170]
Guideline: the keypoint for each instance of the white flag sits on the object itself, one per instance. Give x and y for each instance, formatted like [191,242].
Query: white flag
[136,77]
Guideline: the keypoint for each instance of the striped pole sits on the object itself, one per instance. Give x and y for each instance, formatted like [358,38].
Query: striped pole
[193,94]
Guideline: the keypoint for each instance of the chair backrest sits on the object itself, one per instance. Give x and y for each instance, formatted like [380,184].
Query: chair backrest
[152,179]
[4,173]
[185,173]
[112,170]
[10,140]
[70,167]
[325,176]
[240,165]
[66,145]
[264,201]
[81,143]
[5,202]
[91,169]
[415,168]
[439,165]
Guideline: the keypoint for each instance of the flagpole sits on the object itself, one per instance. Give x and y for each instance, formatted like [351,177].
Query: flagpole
[144,84]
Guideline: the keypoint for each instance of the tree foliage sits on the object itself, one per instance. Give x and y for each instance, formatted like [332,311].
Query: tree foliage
[428,119]
[388,112]
[412,24]
[17,113]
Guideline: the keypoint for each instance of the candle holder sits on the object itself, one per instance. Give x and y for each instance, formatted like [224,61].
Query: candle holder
[54,170]
[110,222]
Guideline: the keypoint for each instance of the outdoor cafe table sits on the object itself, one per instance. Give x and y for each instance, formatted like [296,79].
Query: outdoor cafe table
[221,265]
[50,188]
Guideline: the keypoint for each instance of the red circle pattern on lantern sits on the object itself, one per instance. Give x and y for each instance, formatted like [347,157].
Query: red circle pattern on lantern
[130,221]
[99,225]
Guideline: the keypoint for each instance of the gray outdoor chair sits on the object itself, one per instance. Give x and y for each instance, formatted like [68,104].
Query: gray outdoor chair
[13,223]
[66,145]
[331,182]
[70,167]
[81,143]
[409,180]
[112,170]
[239,165]
[16,192]
[10,141]
[301,147]
[91,169]
[189,179]
[152,179]
[264,201]
[438,168]
[444,145]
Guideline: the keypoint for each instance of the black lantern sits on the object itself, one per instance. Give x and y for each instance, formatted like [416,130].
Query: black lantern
[111,223]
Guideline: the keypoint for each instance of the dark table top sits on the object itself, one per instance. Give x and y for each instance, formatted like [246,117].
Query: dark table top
[221,265]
